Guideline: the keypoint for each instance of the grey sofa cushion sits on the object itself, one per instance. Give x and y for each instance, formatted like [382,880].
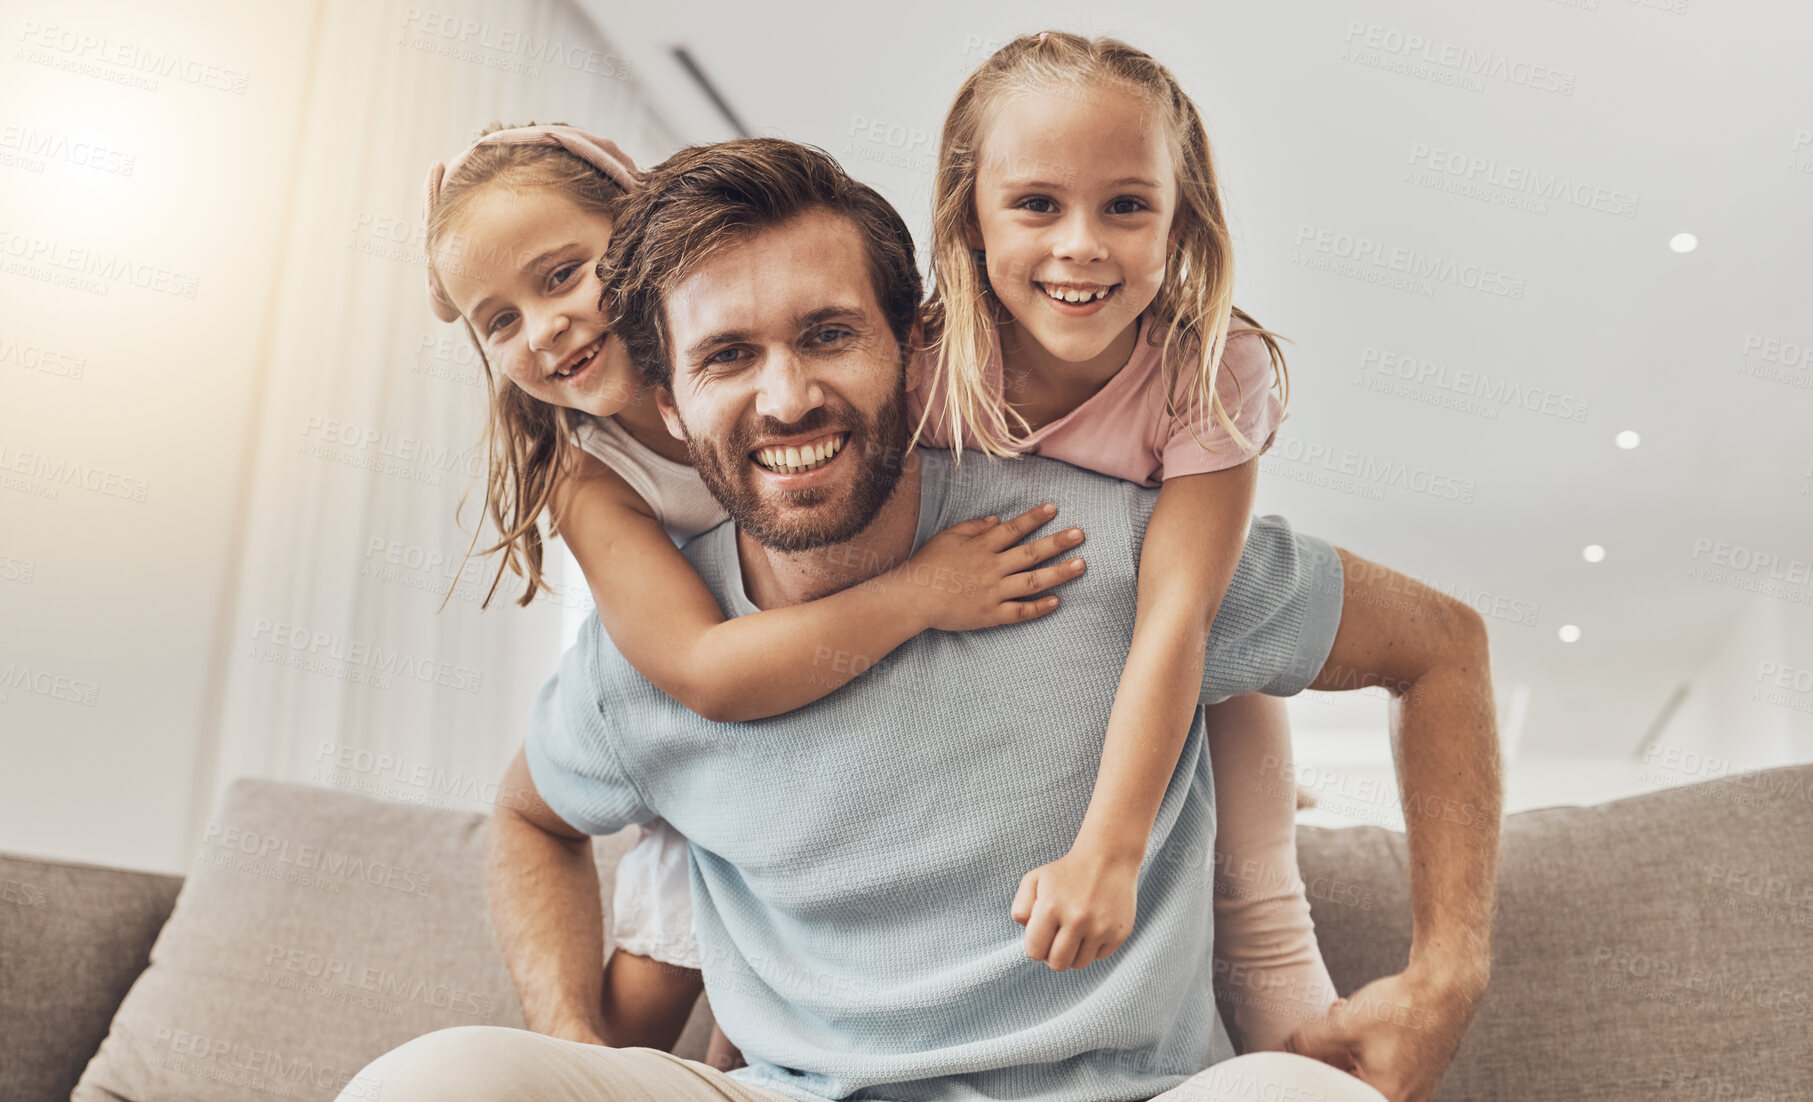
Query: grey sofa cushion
[1655,947]
[72,939]
[317,930]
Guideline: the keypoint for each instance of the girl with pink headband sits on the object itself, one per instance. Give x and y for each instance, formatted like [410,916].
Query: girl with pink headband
[516,226]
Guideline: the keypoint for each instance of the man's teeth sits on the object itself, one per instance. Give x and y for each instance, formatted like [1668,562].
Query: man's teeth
[796,460]
[1063,295]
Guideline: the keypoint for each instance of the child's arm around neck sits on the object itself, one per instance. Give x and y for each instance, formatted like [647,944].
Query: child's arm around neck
[664,620]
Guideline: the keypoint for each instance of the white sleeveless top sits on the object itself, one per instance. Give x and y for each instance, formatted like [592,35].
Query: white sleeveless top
[651,901]
[673,490]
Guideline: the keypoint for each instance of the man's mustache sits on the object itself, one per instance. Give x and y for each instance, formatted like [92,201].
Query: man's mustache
[820,419]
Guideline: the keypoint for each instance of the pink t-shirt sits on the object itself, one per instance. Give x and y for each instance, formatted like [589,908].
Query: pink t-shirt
[1123,429]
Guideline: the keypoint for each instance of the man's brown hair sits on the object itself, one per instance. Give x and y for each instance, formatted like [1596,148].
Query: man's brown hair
[709,196]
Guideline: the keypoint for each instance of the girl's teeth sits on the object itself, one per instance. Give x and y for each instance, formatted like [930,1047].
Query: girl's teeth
[1076,296]
[576,368]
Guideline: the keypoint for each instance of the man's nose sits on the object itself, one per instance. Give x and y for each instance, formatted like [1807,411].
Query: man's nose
[787,389]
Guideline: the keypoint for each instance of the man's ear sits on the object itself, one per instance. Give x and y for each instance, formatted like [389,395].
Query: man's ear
[670,414]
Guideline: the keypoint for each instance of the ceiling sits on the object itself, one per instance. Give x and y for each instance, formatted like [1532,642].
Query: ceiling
[1326,122]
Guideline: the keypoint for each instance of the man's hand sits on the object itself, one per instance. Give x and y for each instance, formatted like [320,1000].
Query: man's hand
[1397,1034]
[1078,909]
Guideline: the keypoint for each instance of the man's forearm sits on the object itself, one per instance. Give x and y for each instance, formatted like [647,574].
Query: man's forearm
[1449,783]
[544,896]
[1432,654]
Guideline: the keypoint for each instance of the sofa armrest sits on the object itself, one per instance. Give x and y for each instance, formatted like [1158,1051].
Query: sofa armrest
[73,938]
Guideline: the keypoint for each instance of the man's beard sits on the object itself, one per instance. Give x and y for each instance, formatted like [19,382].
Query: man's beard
[877,444]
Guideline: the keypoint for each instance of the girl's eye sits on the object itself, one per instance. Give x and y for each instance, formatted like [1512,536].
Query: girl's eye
[500,320]
[1126,205]
[1038,204]
[561,274]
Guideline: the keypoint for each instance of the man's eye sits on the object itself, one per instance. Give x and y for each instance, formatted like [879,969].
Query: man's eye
[828,336]
[724,356]
[1126,205]
[1038,204]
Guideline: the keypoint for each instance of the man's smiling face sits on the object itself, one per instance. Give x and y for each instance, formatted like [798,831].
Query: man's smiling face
[788,384]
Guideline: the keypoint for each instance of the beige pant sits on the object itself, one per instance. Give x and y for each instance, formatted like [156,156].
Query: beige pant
[481,1063]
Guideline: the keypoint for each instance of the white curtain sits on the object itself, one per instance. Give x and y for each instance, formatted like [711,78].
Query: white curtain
[340,669]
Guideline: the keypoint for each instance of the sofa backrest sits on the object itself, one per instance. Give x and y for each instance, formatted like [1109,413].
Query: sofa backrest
[1655,947]
[73,938]
[1649,948]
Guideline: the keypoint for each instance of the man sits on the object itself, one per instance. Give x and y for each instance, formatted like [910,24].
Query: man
[853,861]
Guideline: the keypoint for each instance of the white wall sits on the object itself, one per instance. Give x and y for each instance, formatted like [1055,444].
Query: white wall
[134,295]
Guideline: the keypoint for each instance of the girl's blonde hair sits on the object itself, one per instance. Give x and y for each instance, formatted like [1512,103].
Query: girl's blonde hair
[527,441]
[1195,299]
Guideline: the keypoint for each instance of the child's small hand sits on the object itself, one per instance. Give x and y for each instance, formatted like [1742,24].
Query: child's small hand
[977,574]
[1078,909]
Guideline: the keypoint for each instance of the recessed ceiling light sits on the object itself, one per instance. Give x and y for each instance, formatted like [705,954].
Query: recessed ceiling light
[1629,439]
[1683,242]
[1569,633]
[1593,553]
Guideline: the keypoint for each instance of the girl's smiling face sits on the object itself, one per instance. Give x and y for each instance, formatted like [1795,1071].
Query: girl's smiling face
[520,266]
[1075,195]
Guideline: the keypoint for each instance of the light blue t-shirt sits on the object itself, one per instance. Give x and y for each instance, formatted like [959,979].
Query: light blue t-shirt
[853,861]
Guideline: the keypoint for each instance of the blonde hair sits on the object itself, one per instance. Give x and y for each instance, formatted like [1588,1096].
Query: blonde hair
[1195,299]
[527,441]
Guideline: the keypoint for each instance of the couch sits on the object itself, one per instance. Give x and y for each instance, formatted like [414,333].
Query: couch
[1655,947]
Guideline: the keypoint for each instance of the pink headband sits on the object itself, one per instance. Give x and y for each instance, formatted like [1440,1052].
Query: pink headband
[601,153]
